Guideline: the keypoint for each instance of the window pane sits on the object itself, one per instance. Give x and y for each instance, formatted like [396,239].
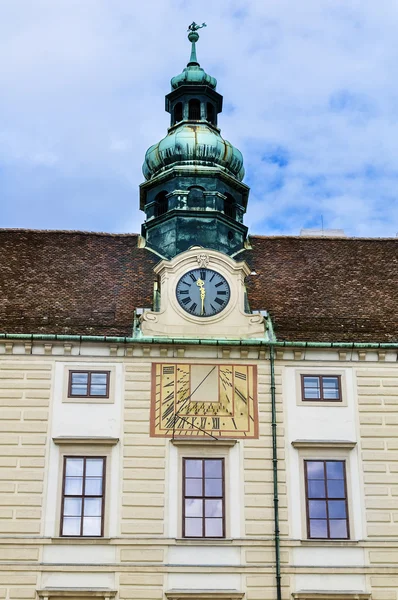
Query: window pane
[312,388]
[338,529]
[330,388]
[193,487]
[318,529]
[99,378]
[316,489]
[73,486]
[72,507]
[317,509]
[213,468]
[315,470]
[71,526]
[193,508]
[336,488]
[74,467]
[213,528]
[213,487]
[193,527]
[79,390]
[94,467]
[334,470]
[97,390]
[337,509]
[213,508]
[193,468]
[93,486]
[92,507]
[81,378]
[92,526]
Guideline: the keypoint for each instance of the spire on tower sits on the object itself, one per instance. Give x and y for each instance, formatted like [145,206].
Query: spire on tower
[193,37]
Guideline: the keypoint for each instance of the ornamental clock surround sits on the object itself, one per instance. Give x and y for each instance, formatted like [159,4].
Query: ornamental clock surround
[181,318]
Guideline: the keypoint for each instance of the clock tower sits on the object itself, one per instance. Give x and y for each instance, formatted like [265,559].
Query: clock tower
[193,193]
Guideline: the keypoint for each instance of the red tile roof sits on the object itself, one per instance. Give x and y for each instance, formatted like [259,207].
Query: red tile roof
[316,289]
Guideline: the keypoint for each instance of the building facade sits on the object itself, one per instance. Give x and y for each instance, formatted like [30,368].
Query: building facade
[194,413]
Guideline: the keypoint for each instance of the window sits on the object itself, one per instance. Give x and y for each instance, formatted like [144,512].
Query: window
[210,113]
[178,112]
[321,388]
[194,110]
[326,498]
[162,204]
[203,498]
[88,384]
[229,206]
[83,494]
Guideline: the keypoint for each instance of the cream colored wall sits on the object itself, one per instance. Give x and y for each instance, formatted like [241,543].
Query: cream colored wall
[142,558]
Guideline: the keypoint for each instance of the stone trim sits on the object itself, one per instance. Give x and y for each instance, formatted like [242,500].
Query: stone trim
[323,444]
[319,595]
[64,440]
[204,594]
[203,442]
[47,593]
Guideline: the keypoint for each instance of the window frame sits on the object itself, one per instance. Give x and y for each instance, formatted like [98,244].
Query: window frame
[322,399]
[326,499]
[89,373]
[203,498]
[82,496]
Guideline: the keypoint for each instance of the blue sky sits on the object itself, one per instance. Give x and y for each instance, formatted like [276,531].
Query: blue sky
[310,98]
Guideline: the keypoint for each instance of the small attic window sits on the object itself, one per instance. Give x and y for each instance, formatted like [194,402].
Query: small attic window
[194,110]
[178,112]
[211,113]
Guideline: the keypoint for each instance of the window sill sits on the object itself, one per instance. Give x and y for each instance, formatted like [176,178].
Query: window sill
[203,442]
[323,444]
[203,541]
[68,541]
[65,440]
[320,542]
[73,593]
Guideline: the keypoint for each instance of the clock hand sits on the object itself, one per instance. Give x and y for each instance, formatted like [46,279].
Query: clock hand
[201,284]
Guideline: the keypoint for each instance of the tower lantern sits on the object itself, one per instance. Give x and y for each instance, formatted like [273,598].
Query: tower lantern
[193,193]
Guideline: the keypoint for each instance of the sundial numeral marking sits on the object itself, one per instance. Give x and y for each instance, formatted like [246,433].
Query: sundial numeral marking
[182,292]
[216,422]
[221,302]
[192,276]
[186,301]
[212,277]
[221,293]
[218,284]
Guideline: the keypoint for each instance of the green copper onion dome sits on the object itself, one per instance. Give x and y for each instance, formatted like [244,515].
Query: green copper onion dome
[193,144]
[193,138]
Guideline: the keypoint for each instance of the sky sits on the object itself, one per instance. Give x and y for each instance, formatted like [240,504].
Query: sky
[310,98]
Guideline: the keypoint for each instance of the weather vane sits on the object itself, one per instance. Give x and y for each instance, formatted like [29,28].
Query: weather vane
[194,26]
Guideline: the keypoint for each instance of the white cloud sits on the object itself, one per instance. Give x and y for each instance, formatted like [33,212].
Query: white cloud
[310,98]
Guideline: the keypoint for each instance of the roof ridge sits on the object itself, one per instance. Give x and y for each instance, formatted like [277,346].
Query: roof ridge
[67,231]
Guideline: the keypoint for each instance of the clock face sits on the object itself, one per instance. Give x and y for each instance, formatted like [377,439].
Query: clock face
[208,401]
[203,292]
